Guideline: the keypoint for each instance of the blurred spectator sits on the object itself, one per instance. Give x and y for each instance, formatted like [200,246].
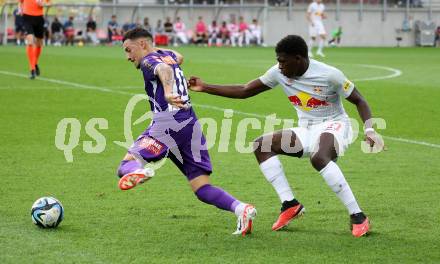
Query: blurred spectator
[19,26]
[169,30]
[160,38]
[138,24]
[159,28]
[56,29]
[91,31]
[201,32]
[255,32]
[147,25]
[46,34]
[336,37]
[180,31]
[113,29]
[168,25]
[69,31]
[233,32]
[224,33]
[243,30]
[127,26]
[214,34]
[437,37]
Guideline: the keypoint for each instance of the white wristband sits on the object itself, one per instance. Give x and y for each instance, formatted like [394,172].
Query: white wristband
[370,129]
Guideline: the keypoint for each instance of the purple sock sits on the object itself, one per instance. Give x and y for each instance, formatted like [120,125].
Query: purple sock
[218,197]
[128,166]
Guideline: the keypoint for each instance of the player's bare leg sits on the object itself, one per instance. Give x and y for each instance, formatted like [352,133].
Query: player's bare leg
[310,44]
[267,147]
[321,43]
[132,172]
[216,196]
[324,162]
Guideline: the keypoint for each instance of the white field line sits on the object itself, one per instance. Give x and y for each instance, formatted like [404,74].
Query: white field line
[394,73]
[102,89]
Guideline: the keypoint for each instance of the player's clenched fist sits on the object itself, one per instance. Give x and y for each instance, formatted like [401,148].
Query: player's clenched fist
[195,84]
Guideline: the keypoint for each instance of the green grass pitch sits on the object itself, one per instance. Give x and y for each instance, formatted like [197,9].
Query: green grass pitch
[162,221]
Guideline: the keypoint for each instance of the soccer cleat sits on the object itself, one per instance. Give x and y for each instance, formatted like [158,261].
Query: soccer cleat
[32,75]
[319,53]
[360,225]
[244,222]
[289,211]
[37,70]
[130,180]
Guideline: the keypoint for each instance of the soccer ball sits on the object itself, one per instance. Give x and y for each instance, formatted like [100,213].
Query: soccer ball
[47,212]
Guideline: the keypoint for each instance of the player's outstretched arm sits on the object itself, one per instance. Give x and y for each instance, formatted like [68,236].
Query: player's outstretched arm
[240,91]
[365,114]
[166,76]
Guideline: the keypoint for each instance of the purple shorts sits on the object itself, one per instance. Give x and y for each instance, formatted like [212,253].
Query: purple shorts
[177,136]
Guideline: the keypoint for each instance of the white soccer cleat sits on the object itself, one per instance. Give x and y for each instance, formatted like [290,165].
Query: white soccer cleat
[244,222]
[319,53]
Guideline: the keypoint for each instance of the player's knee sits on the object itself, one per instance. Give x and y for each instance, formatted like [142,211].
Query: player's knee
[319,161]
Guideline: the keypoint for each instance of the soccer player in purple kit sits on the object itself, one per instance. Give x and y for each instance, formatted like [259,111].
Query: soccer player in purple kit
[175,132]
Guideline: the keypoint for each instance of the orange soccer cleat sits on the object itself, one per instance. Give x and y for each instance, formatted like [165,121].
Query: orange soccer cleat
[130,180]
[294,210]
[360,224]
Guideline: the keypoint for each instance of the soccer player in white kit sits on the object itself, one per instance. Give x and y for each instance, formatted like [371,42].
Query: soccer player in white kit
[315,90]
[315,14]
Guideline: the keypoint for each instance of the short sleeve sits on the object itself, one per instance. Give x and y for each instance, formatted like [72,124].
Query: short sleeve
[310,8]
[270,77]
[150,63]
[340,83]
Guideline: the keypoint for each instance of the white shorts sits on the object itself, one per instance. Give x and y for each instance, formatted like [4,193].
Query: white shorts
[317,29]
[309,137]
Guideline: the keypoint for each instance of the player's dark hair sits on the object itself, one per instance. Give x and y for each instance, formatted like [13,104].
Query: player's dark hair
[137,33]
[292,45]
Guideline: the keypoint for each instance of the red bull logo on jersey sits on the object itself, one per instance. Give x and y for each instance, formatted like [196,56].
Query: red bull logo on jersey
[306,102]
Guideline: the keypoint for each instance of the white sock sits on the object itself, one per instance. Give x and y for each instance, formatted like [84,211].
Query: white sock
[335,179]
[311,41]
[274,173]
[239,209]
[320,45]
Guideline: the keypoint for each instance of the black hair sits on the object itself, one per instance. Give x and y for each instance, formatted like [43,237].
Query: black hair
[292,45]
[137,33]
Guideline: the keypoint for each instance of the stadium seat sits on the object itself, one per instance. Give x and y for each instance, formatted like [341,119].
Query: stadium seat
[11,33]
[161,40]
[101,34]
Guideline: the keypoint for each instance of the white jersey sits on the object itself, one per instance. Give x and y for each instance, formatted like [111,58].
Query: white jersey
[255,29]
[316,11]
[316,95]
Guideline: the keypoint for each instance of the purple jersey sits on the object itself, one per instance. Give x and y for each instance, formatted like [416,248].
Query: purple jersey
[153,85]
